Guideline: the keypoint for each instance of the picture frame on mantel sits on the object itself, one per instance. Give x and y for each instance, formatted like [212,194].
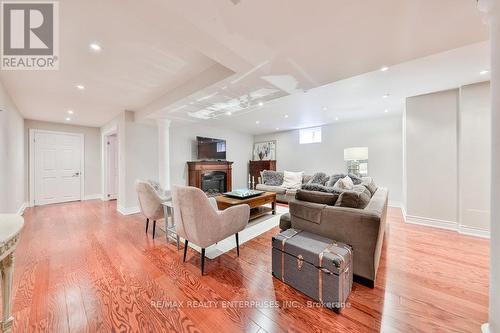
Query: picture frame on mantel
[264,151]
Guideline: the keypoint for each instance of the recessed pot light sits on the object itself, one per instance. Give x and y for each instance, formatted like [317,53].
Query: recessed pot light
[228,113]
[95,47]
[261,103]
[484,72]
[336,118]
[70,112]
[257,122]
[277,128]
[386,110]
[286,116]
[80,86]
[386,96]
[325,108]
[384,68]
[68,119]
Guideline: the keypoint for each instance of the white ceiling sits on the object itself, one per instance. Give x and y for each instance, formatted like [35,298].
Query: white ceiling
[179,58]
[362,96]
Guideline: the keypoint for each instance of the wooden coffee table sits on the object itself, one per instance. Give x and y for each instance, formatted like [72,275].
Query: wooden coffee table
[257,208]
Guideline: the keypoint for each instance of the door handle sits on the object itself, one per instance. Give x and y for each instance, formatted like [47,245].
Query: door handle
[76,174]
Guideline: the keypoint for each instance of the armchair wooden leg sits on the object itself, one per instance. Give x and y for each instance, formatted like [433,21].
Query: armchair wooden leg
[185,249]
[202,261]
[147,224]
[154,228]
[237,244]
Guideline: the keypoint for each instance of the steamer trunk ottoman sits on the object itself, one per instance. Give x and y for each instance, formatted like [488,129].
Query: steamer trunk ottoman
[317,266]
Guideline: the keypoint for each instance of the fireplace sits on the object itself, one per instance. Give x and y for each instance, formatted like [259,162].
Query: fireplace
[213,182]
[213,177]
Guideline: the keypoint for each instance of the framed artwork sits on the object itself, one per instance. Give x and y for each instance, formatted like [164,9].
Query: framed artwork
[264,151]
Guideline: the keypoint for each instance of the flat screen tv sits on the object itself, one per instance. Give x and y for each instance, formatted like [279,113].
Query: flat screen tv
[211,149]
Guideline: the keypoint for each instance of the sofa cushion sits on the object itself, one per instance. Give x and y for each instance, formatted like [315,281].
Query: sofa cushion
[292,179]
[318,178]
[306,210]
[270,188]
[317,197]
[291,191]
[285,221]
[358,197]
[273,178]
[369,184]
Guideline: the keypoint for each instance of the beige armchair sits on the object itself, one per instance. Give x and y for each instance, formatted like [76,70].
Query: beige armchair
[150,203]
[199,221]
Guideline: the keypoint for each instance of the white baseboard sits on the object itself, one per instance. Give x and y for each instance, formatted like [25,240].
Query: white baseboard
[92,197]
[128,210]
[485,328]
[471,231]
[448,225]
[395,204]
[442,224]
[21,209]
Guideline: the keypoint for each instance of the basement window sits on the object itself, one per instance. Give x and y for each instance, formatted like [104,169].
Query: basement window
[310,135]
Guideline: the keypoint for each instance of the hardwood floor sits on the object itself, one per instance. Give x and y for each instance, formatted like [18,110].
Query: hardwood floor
[82,267]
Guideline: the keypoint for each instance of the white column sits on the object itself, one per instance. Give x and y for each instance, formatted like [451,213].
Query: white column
[164,153]
[492,10]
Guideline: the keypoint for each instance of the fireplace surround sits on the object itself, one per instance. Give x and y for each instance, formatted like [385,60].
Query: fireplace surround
[213,177]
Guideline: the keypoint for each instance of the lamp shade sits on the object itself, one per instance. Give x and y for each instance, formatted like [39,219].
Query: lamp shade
[356,154]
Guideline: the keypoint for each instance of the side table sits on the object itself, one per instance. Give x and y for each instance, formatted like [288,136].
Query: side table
[168,209]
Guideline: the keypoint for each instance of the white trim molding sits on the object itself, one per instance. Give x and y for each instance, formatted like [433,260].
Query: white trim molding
[485,328]
[21,209]
[127,210]
[429,222]
[447,225]
[93,197]
[472,231]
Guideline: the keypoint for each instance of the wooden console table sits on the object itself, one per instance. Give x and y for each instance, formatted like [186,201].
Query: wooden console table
[10,228]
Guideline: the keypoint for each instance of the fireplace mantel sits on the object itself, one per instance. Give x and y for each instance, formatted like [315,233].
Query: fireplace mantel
[197,169]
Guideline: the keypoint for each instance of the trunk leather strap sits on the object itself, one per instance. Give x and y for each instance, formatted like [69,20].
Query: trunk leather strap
[285,238]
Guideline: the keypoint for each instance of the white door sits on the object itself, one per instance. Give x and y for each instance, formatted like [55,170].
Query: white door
[57,163]
[112,172]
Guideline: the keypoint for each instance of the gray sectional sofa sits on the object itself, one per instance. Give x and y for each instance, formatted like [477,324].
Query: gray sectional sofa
[363,229]
[356,217]
[282,194]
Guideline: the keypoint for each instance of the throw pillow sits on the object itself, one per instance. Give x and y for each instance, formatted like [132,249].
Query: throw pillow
[272,178]
[320,188]
[370,185]
[344,184]
[292,179]
[353,199]
[318,178]
[334,179]
[355,179]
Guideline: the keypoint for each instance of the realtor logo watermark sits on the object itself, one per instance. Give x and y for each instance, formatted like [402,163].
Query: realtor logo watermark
[30,35]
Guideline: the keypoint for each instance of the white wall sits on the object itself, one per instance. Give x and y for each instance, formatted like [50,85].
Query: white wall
[11,155]
[448,157]
[383,137]
[92,143]
[432,156]
[474,157]
[141,156]
[494,316]
[137,156]
[183,149]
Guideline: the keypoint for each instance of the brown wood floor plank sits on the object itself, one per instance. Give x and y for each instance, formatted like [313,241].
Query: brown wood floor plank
[84,267]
